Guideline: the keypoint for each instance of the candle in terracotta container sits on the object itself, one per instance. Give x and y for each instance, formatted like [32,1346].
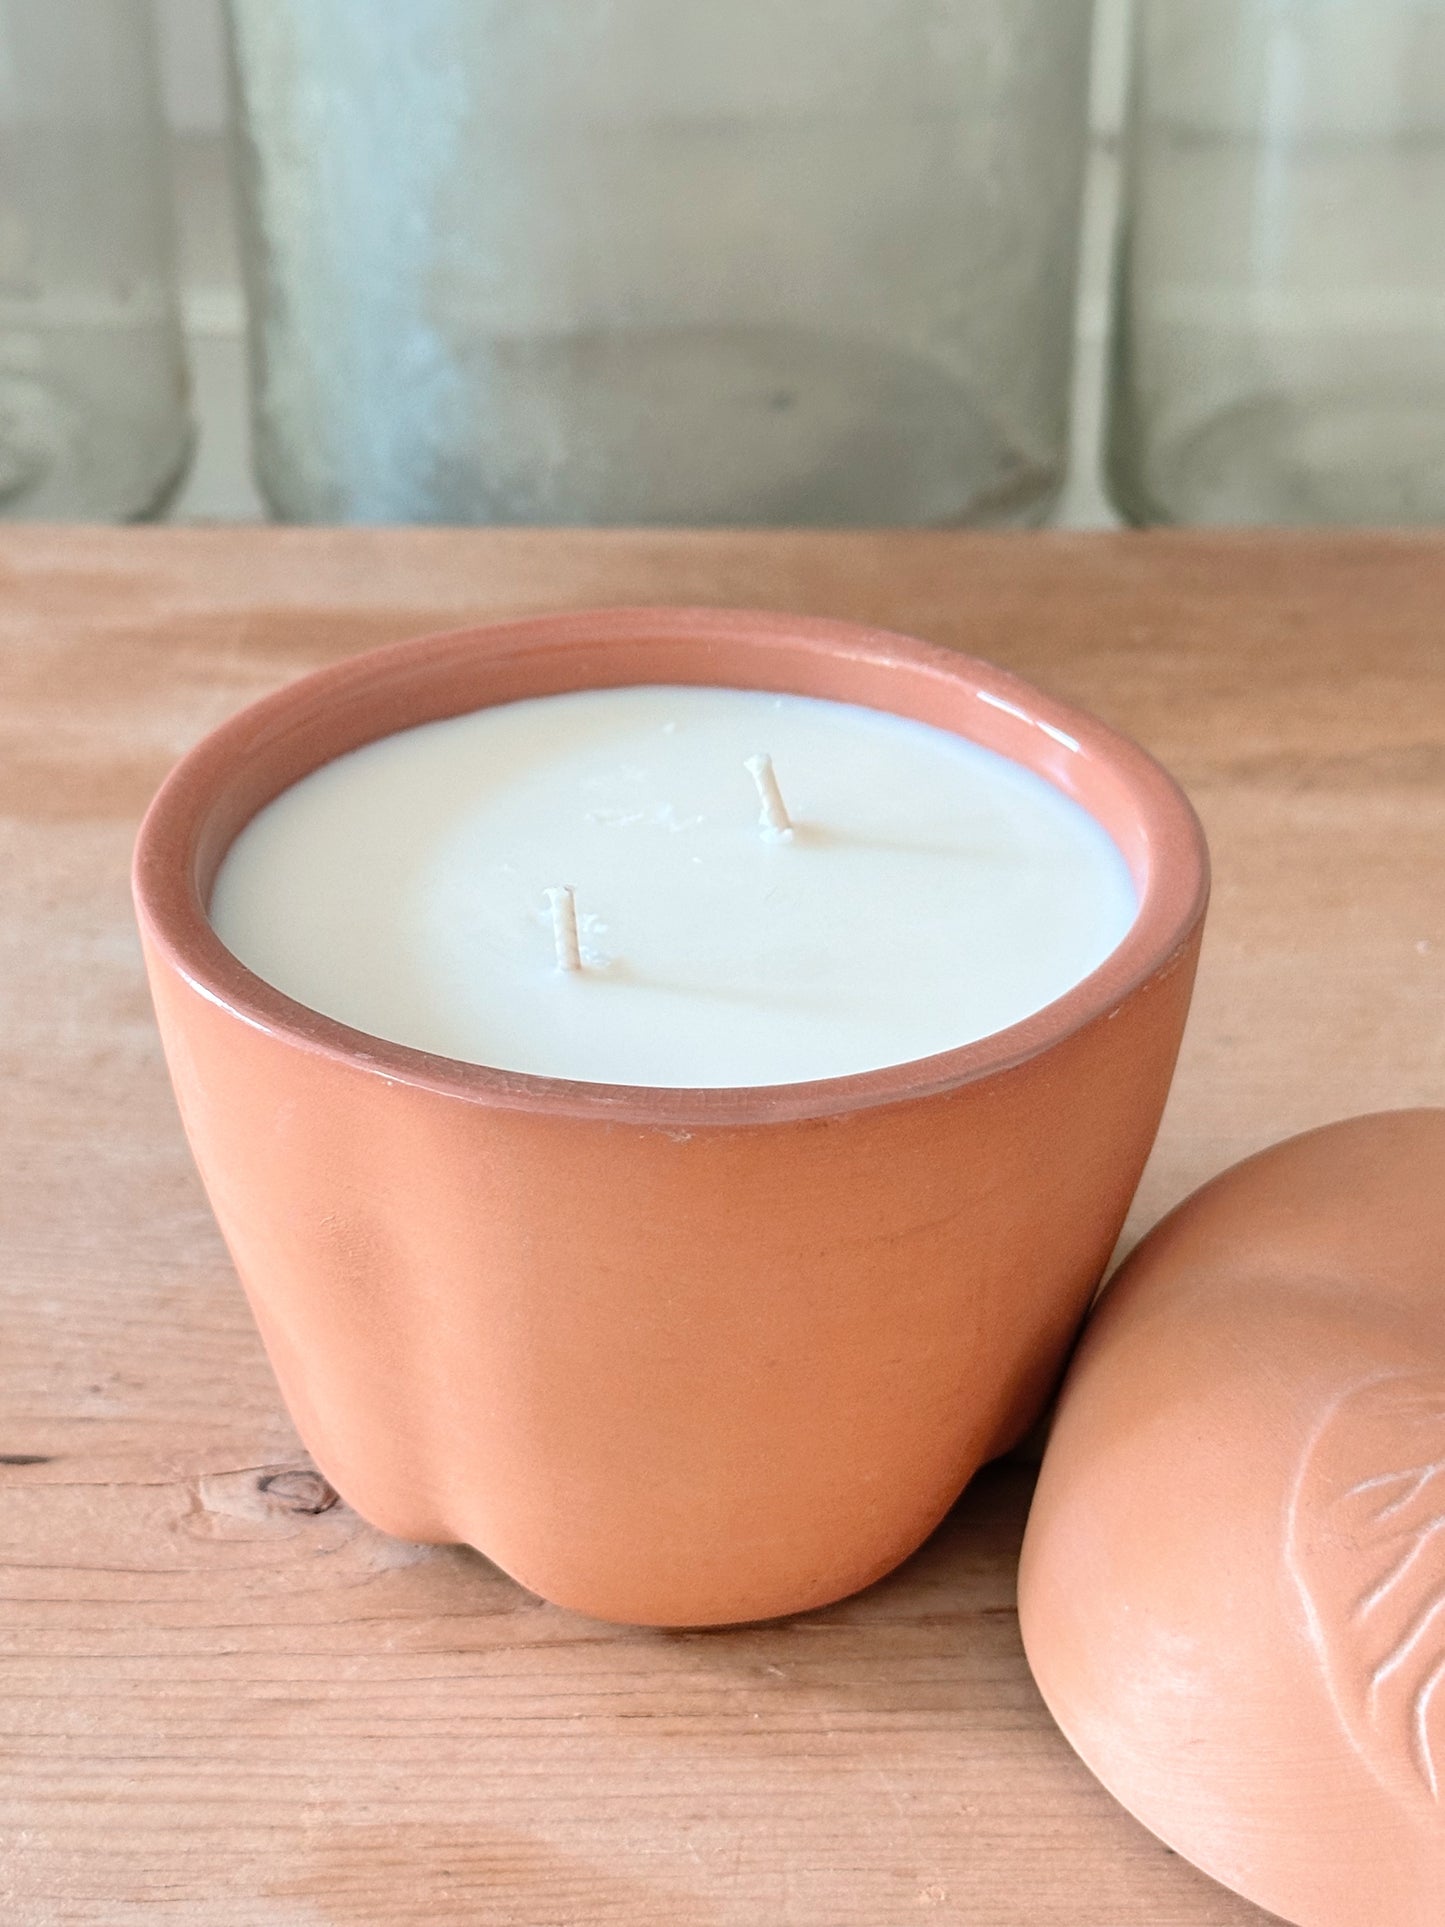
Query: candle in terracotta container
[690,1283]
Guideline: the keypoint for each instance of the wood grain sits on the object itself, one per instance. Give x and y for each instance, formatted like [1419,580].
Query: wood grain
[225,1701]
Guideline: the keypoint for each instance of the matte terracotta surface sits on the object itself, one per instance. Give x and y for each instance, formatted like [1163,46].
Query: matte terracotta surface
[676,1358]
[227,1702]
[1233,1584]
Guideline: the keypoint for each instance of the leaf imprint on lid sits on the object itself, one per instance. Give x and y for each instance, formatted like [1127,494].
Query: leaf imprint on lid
[1366,1547]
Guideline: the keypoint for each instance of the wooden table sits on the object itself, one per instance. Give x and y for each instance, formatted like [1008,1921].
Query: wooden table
[224,1700]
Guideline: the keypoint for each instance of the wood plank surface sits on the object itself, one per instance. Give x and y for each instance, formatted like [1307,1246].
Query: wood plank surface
[225,1701]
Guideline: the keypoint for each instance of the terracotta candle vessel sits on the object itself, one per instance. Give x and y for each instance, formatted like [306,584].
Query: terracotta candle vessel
[671,1356]
[1233,1581]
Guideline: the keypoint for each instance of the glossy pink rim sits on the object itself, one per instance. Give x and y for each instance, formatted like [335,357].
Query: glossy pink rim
[196,815]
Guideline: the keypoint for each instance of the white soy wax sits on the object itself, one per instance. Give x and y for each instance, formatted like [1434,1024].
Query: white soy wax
[766,889]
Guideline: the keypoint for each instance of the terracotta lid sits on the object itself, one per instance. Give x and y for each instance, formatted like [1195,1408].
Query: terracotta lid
[1233,1582]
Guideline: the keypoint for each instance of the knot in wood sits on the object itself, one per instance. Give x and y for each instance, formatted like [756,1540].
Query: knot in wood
[297,1489]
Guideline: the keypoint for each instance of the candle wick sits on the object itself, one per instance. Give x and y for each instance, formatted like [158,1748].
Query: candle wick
[564,927]
[774,820]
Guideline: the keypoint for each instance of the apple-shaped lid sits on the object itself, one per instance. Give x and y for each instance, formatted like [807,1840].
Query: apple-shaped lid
[1233,1582]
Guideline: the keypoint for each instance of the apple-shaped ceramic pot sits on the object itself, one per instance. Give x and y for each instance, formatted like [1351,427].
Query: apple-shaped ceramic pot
[667,1356]
[1233,1581]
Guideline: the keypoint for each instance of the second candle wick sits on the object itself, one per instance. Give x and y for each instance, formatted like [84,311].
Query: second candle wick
[774,820]
[564,927]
